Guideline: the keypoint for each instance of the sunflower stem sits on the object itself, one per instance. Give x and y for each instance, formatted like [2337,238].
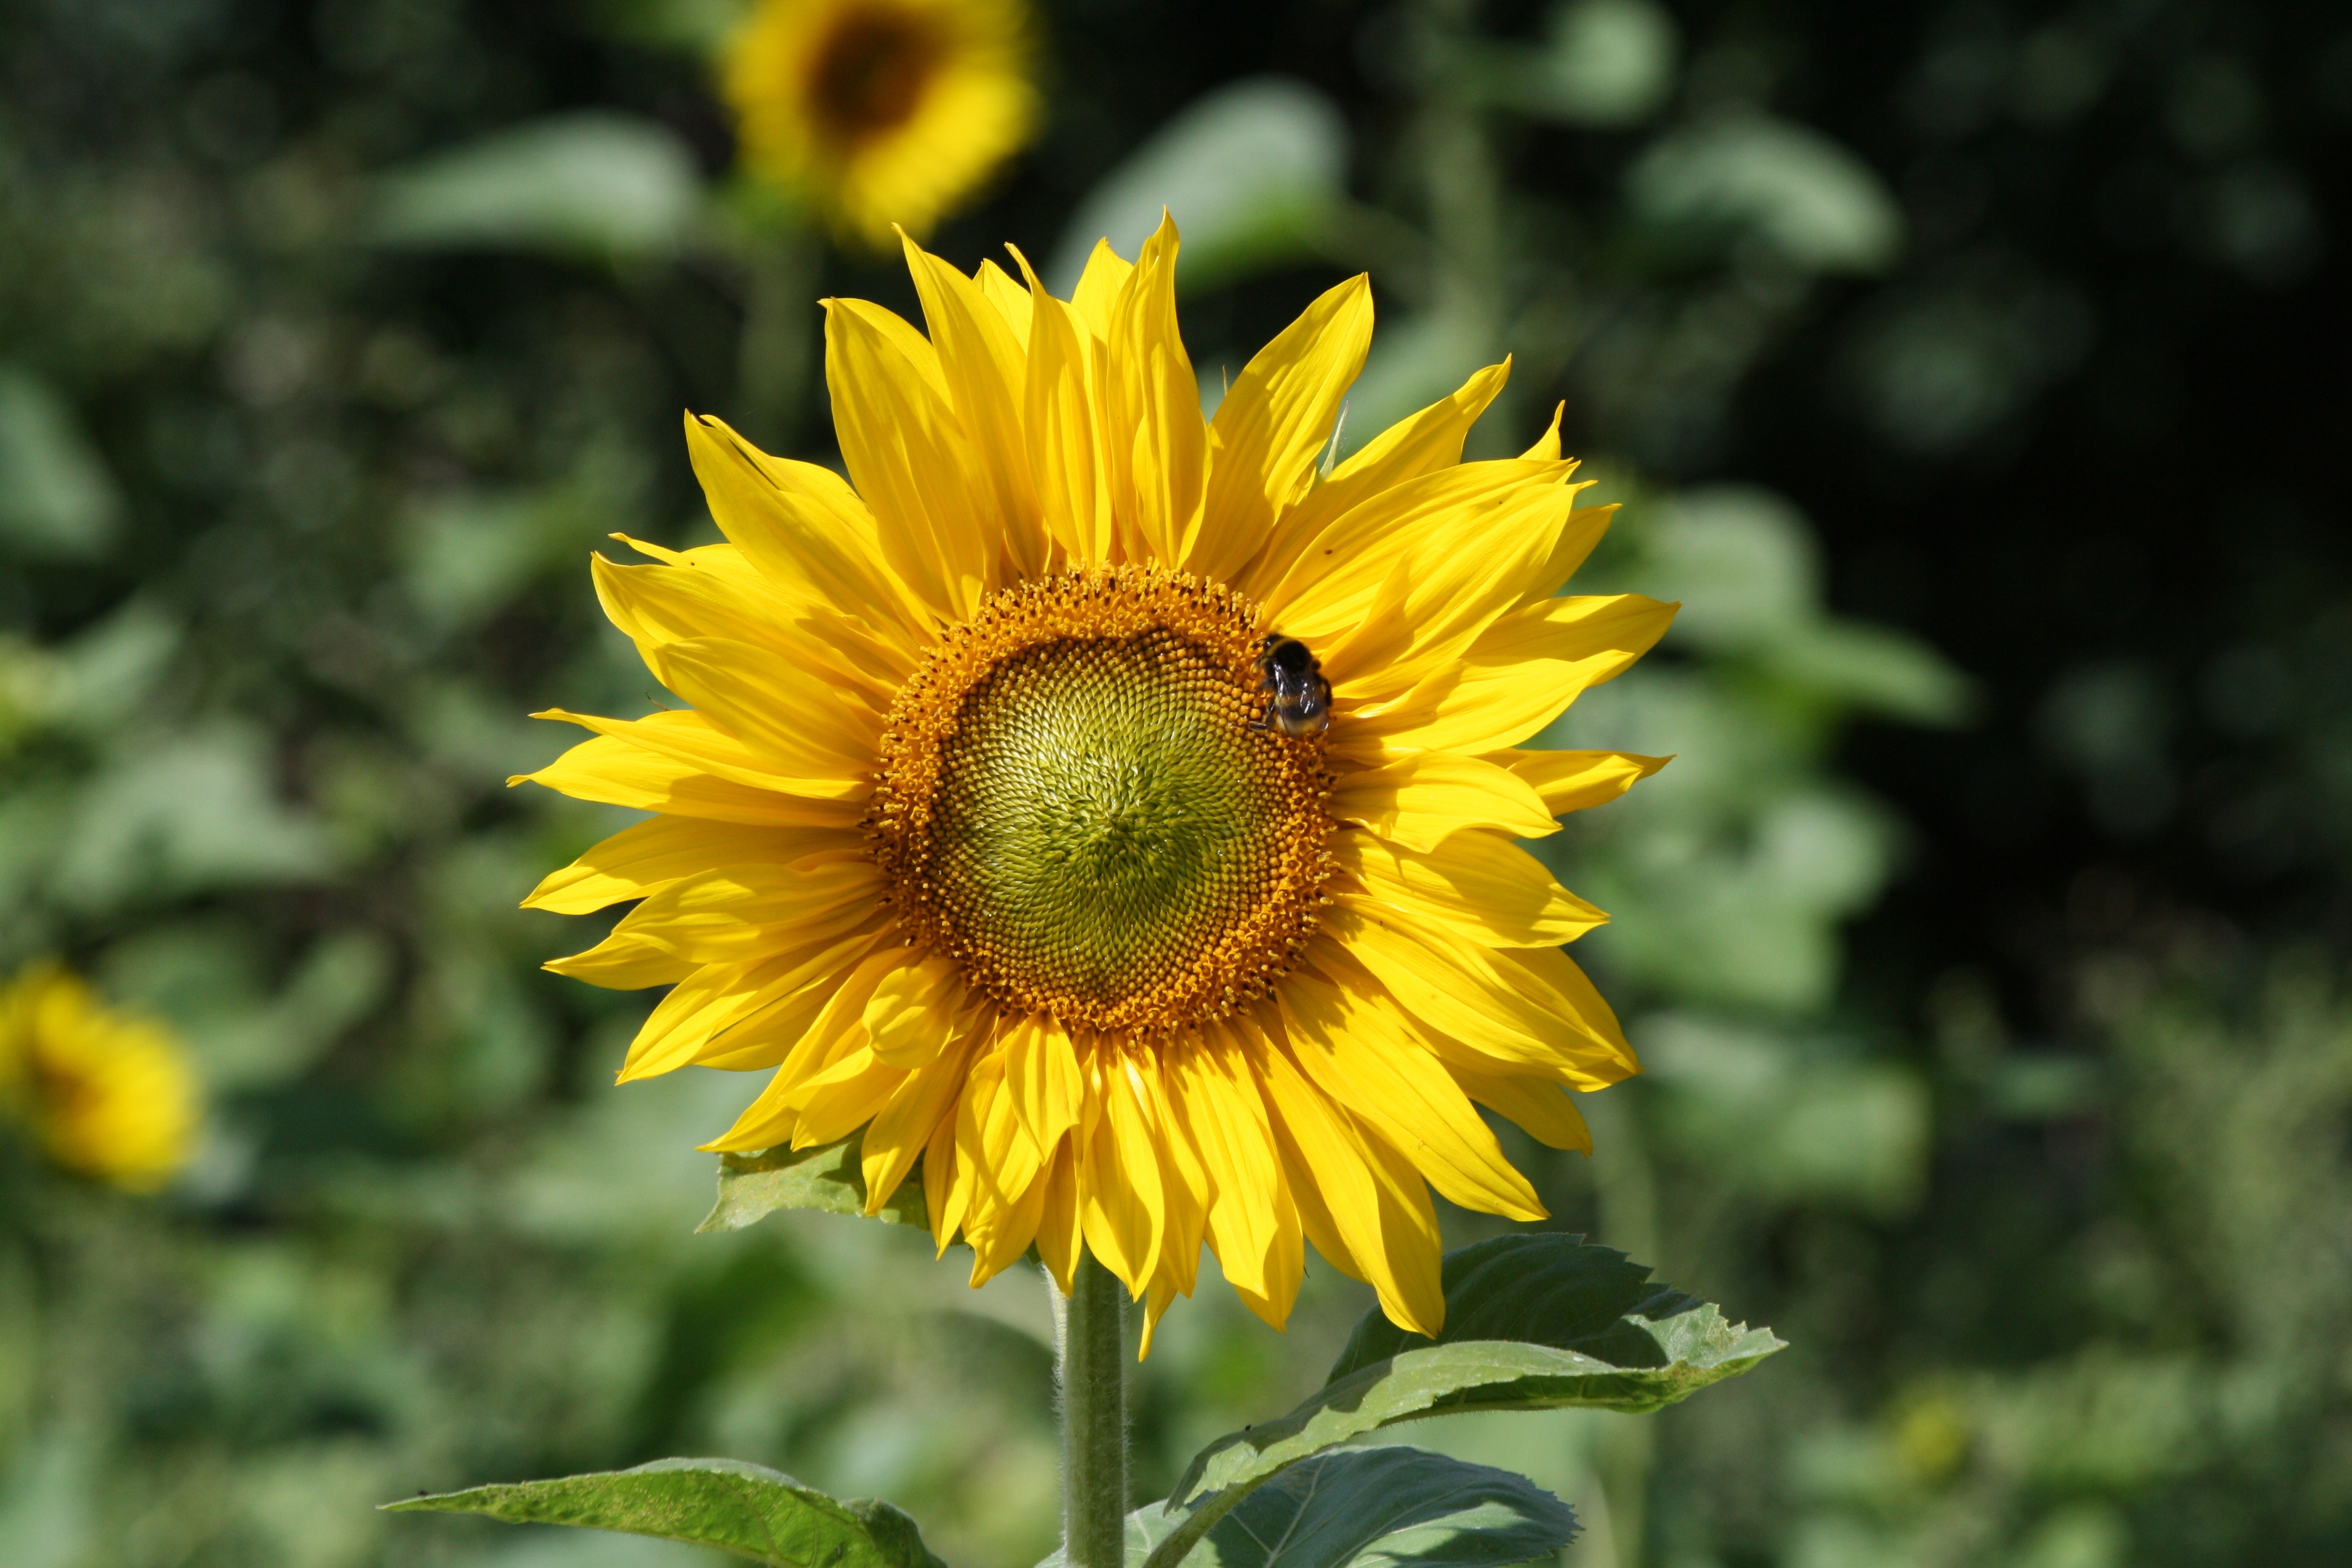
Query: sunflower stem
[1093,1374]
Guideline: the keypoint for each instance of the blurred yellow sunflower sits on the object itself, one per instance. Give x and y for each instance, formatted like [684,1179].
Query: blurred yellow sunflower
[105,1095]
[1001,827]
[883,111]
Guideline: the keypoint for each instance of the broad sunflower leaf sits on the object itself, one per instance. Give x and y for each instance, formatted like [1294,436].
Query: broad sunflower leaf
[749,1510]
[1543,1288]
[1576,1325]
[827,1178]
[1371,1508]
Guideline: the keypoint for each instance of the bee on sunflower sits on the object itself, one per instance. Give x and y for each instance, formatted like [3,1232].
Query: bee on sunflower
[1110,810]
[105,1095]
[881,111]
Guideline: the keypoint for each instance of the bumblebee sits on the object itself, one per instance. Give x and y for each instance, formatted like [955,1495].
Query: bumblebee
[1299,701]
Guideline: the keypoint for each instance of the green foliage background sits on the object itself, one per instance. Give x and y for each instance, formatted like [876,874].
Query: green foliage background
[1972,371]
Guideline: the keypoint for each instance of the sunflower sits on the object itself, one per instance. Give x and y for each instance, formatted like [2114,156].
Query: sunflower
[982,830]
[884,112]
[107,1095]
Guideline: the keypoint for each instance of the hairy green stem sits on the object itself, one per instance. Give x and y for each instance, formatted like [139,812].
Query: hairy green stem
[1093,1374]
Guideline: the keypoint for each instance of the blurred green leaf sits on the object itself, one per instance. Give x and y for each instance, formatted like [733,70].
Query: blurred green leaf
[179,812]
[1789,1122]
[594,183]
[44,1501]
[1248,170]
[827,1178]
[1544,1287]
[1604,62]
[56,498]
[101,676]
[1382,1507]
[760,1513]
[1816,204]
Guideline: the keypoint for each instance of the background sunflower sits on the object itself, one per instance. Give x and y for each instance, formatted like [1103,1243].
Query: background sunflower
[1988,1063]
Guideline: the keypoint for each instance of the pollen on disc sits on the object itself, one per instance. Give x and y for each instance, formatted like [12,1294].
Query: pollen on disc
[1075,804]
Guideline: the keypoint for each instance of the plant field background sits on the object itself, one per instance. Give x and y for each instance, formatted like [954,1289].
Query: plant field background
[1975,371]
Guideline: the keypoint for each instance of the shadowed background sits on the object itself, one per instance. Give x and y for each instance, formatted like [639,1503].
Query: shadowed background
[1970,370]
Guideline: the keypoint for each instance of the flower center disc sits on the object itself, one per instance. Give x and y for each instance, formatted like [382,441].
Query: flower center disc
[1074,803]
[868,76]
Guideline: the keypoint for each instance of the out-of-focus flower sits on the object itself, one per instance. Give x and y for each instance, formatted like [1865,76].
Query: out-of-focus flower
[1014,822]
[25,676]
[105,1094]
[882,112]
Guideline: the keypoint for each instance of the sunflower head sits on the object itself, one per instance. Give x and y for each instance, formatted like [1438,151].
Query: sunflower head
[105,1094]
[882,112]
[984,832]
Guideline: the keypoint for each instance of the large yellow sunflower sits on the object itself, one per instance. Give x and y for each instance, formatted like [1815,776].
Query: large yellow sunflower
[106,1094]
[884,111]
[982,830]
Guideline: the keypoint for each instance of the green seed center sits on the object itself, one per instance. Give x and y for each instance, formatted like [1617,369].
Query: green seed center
[1107,818]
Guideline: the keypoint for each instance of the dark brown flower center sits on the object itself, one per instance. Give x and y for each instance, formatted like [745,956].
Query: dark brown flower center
[870,74]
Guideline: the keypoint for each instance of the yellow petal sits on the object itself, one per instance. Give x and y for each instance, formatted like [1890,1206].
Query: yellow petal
[660,606]
[738,912]
[911,1013]
[1422,443]
[1184,1179]
[1573,781]
[1484,998]
[1366,1058]
[1252,1224]
[907,454]
[1097,295]
[1152,429]
[1121,1197]
[625,961]
[904,1128]
[802,730]
[1547,447]
[1065,460]
[1537,1106]
[1553,981]
[1421,799]
[1041,1071]
[641,859]
[1584,528]
[1358,1192]
[692,738]
[803,529]
[846,1096]
[1059,1234]
[1520,676]
[1478,885]
[1011,300]
[1275,421]
[621,773]
[942,1183]
[1336,578]
[738,1005]
[986,370]
[1468,568]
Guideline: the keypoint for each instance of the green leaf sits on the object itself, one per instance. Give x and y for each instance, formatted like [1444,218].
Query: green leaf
[747,1509]
[827,1178]
[57,500]
[1808,197]
[594,183]
[1581,1327]
[1542,1288]
[1250,173]
[1374,1508]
